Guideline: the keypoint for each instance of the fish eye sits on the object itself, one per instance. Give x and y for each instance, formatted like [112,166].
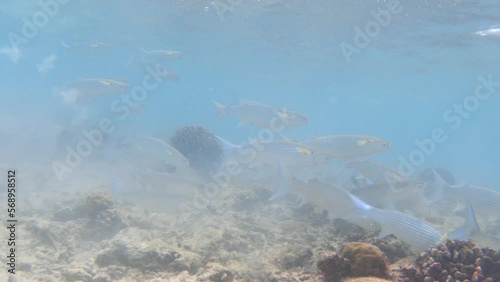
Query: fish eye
[372,225]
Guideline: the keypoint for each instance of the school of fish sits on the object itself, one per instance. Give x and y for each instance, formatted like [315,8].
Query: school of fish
[332,172]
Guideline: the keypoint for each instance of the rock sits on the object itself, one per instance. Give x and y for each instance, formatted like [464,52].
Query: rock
[366,260]
[296,258]
[97,201]
[65,214]
[102,277]
[393,248]
[77,274]
[135,248]
[458,260]
[364,279]
[405,269]
[434,270]
[333,266]
[216,273]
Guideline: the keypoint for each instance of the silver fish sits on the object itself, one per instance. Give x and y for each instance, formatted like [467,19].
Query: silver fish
[158,156]
[159,55]
[382,196]
[491,32]
[471,230]
[270,153]
[88,48]
[413,231]
[334,199]
[250,112]
[349,146]
[485,201]
[377,173]
[86,90]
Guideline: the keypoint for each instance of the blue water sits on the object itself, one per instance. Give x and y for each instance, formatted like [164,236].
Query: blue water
[282,53]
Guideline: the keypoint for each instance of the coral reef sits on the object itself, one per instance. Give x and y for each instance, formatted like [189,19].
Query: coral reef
[127,249]
[98,201]
[215,272]
[334,266]
[199,146]
[366,260]
[89,237]
[405,270]
[356,259]
[393,248]
[458,260]
[364,279]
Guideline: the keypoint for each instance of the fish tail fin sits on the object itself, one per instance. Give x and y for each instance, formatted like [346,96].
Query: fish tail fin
[469,227]
[359,204]
[283,184]
[221,110]
[438,189]
[360,208]
[229,150]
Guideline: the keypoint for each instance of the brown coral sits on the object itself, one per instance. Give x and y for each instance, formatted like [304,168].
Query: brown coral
[355,260]
[366,260]
[459,261]
[199,146]
[333,266]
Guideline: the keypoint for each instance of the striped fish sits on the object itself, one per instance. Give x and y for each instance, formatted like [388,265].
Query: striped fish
[484,200]
[411,230]
[270,153]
